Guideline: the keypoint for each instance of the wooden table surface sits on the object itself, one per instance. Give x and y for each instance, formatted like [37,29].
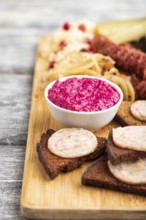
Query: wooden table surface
[21,25]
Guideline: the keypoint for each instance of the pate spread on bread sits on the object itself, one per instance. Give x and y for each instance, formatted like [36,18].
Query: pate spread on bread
[54,165]
[131,172]
[130,137]
[138,109]
[98,175]
[133,138]
[72,142]
[121,169]
[125,117]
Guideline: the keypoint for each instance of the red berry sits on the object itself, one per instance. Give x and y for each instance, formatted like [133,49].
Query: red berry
[62,44]
[66,26]
[82,27]
[90,49]
[52,64]
[88,41]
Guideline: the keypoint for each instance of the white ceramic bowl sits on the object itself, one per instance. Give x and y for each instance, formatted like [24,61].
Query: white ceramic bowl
[87,120]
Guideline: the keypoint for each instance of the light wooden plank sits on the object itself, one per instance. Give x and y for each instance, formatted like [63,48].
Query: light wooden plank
[15,92]
[9,200]
[18,47]
[11,163]
[65,197]
[42,14]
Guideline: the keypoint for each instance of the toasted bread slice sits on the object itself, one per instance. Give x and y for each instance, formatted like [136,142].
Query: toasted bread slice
[98,175]
[117,154]
[124,116]
[54,164]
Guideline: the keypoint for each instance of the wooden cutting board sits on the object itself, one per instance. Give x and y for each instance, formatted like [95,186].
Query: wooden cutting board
[65,197]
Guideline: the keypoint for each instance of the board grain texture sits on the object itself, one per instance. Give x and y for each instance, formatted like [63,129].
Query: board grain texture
[65,197]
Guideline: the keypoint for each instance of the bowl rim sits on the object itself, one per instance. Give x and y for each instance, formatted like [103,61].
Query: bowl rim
[115,86]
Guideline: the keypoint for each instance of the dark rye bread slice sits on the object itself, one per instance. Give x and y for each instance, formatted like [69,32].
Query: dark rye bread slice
[54,164]
[98,175]
[117,155]
[124,116]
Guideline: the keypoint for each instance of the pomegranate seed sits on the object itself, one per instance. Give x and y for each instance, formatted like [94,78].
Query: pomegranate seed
[82,27]
[90,49]
[66,26]
[62,44]
[88,41]
[52,64]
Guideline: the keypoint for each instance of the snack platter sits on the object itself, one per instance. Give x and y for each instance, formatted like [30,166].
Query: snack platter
[65,197]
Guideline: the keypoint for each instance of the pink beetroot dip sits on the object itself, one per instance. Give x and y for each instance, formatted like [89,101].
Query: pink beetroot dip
[83,94]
